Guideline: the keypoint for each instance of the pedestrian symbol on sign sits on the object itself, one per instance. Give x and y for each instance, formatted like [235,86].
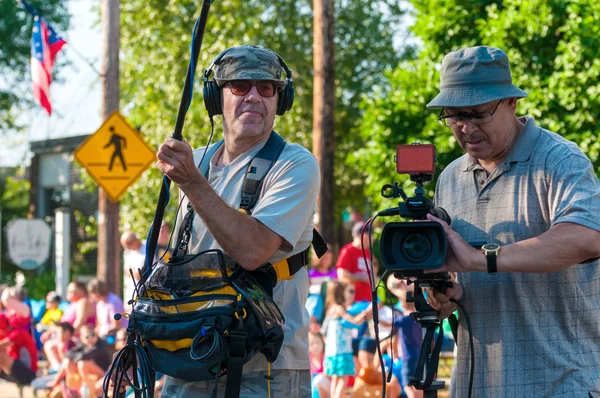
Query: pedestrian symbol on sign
[115,155]
[116,140]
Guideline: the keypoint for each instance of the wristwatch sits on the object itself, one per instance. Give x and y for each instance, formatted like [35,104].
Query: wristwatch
[491,250]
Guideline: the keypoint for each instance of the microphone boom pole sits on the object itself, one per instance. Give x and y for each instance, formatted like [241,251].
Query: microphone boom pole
[186,99]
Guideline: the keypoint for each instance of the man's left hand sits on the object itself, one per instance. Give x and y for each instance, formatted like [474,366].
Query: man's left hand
[176,161]
[461,256]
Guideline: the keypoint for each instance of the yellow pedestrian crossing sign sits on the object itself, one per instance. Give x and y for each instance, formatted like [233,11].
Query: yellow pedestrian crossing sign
[115,156]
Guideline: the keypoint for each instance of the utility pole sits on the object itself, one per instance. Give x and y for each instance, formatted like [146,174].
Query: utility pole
[109,250]
[324,112]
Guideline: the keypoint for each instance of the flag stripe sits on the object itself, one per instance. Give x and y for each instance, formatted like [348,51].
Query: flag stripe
[45,44]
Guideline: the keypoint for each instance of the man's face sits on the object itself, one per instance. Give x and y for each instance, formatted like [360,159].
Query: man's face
[88,337]
[490,141]
[72,293]
[52,304]
[94,297]
[250,116]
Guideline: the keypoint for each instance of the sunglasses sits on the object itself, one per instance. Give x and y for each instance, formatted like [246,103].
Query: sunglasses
[265,88]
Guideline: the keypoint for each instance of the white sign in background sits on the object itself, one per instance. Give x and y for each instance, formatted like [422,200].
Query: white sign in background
[28,242]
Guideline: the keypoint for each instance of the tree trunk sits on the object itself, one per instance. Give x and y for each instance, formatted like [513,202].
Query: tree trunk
[324,112]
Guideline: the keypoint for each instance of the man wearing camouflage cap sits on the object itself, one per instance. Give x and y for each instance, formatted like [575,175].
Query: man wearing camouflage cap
[248,86]
[532,199]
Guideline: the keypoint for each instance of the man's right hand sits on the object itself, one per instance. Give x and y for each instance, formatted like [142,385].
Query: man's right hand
[441,301]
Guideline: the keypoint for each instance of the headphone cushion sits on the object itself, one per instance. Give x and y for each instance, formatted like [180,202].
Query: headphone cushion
[286,99]
[212,98]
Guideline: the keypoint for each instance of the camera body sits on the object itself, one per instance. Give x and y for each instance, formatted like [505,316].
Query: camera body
[410,248]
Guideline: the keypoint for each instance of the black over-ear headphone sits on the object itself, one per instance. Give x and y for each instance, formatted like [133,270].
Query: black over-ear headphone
[212,92]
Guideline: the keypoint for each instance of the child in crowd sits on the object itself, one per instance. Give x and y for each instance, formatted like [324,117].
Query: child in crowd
[338,348]
[53,313]
[320,381]
[411,339]
[321,271]
[370,378]
[18,353]
[65,335]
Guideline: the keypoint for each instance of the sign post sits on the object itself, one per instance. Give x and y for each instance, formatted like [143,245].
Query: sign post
[62,252]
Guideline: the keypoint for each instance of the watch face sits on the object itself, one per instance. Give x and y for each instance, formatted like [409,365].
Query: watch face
[490,247]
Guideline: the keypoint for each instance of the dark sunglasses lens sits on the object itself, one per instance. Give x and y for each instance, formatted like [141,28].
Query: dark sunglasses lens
[266,89]
[240,88]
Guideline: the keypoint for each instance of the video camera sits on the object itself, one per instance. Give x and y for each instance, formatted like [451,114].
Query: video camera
[410,248]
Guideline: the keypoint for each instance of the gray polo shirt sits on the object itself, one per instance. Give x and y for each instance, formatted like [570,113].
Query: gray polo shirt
[536,335]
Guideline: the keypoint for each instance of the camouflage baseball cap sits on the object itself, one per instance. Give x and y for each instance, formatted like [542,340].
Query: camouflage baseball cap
[248,62]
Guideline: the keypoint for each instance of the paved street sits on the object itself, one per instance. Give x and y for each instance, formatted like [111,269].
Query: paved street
[9,390]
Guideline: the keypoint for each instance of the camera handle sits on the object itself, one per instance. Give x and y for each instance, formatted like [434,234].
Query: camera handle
[392,191]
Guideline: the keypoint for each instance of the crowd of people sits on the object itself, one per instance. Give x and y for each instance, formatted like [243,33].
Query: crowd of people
[64,346]
[342,338]
[61,347]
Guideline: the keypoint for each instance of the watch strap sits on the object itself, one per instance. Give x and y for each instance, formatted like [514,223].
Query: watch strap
[492,267]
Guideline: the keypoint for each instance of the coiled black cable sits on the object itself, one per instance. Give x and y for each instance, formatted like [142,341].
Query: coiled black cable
[132,356]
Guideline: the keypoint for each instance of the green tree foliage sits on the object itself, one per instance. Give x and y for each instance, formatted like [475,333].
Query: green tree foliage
[554,48]
[14,203]
[15,53]
[156,37]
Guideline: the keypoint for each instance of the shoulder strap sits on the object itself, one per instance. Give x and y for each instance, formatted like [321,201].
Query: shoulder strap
[205,165]
[255,174]
[258,168]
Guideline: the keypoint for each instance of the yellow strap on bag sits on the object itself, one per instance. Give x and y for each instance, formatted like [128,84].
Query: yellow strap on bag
[282,269]
[172,345]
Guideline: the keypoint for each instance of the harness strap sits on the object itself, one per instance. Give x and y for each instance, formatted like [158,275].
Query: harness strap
[287,268]
[319,245]
[184,234]
[235,365]
[258,168]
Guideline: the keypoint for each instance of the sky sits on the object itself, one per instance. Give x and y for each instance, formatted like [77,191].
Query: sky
[76,101]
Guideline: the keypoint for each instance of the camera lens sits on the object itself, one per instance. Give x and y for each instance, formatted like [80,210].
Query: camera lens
[416,247]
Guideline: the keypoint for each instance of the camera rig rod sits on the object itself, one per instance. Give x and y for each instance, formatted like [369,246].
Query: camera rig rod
[426,371]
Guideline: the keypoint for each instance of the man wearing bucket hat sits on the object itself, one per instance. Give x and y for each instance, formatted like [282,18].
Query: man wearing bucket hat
[248,90]
[531,198]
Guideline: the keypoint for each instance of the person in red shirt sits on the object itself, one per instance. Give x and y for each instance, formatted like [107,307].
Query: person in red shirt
[18,360]
[352,265]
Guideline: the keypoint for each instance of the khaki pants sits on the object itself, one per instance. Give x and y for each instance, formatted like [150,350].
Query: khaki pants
[285,383]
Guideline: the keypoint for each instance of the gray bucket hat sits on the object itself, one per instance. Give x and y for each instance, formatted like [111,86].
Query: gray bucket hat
[248,62]
[474,76]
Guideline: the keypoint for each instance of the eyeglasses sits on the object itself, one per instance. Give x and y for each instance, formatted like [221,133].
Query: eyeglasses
[475,118]
[265,88]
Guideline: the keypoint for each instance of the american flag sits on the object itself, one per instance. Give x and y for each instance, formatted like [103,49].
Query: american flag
[45,44]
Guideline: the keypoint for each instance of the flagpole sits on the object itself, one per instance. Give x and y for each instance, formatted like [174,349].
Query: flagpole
[85,60]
